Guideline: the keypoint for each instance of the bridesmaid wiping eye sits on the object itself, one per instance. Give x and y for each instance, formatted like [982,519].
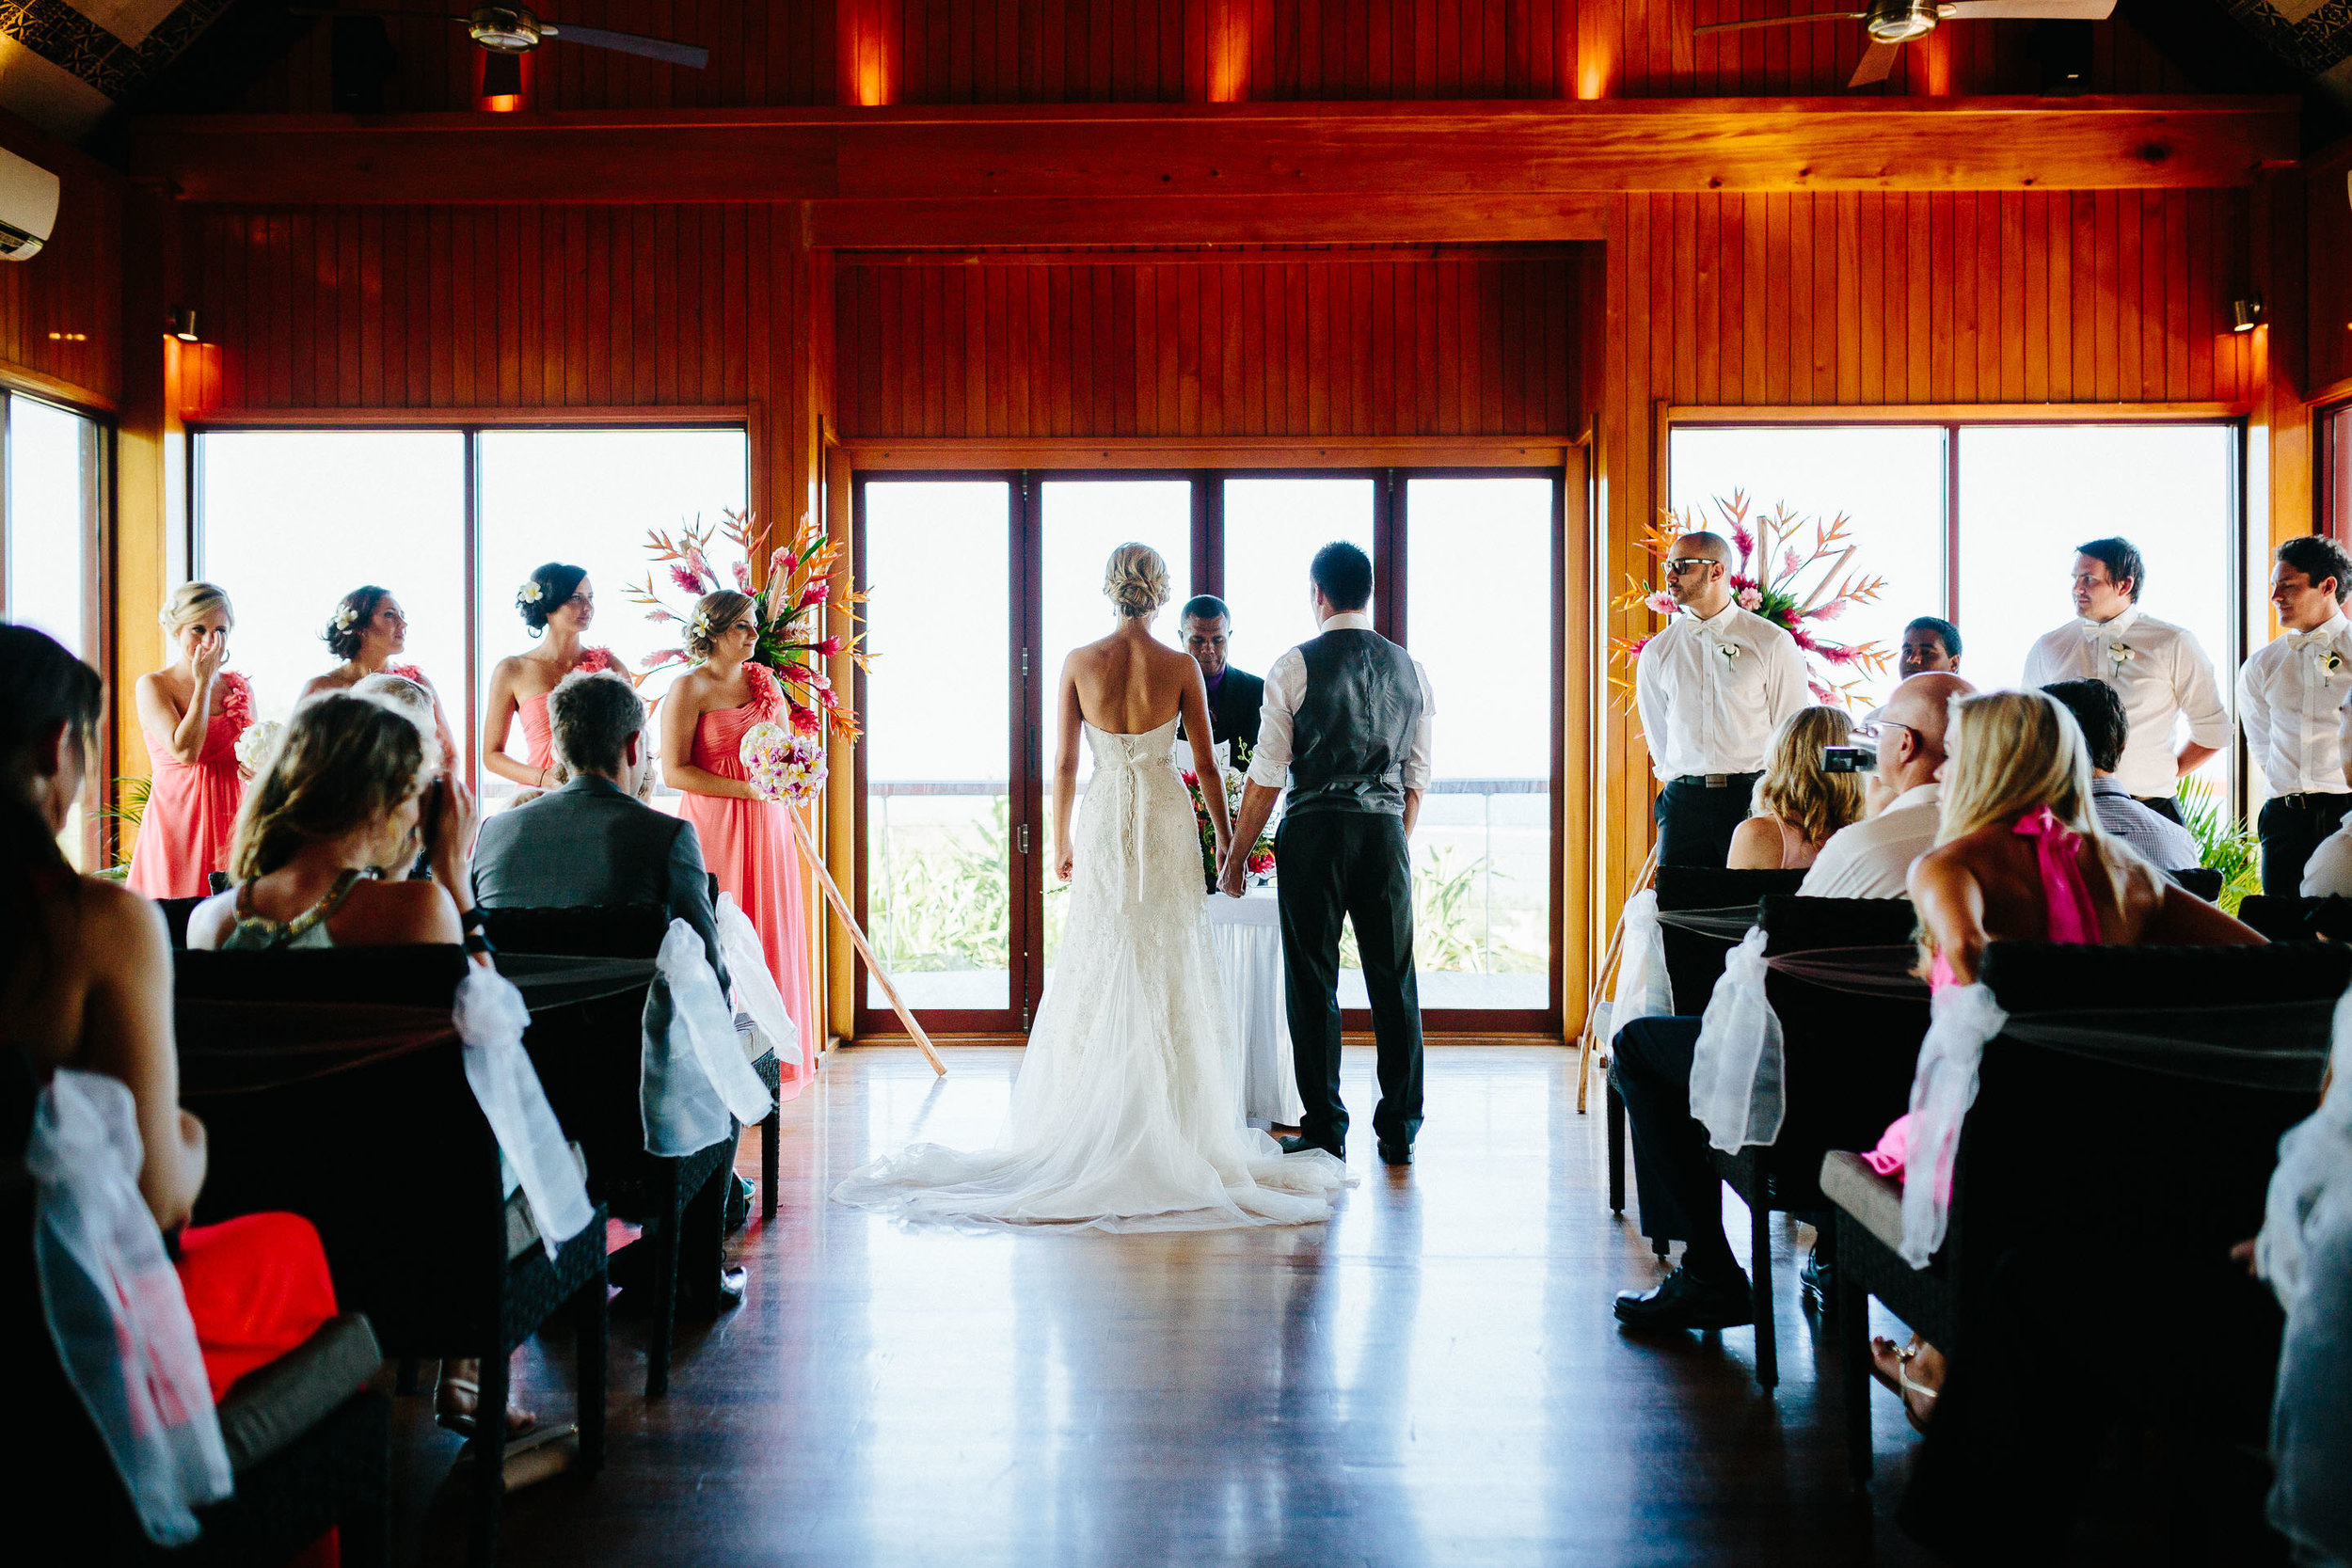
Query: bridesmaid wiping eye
[557,603]
[192,712]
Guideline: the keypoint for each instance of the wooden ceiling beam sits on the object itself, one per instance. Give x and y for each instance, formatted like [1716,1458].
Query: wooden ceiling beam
[1400,220]
[1267,157]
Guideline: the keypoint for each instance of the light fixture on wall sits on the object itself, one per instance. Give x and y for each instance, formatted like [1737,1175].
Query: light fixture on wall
[181,324]
[2245,315]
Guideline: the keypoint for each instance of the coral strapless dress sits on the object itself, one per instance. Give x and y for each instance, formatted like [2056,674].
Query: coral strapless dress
[746,844]
[191,809]
[538,738]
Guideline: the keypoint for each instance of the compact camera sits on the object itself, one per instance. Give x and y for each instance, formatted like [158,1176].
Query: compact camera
[1849,759]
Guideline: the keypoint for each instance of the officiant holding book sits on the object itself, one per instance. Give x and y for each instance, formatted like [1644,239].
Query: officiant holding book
[1235,696]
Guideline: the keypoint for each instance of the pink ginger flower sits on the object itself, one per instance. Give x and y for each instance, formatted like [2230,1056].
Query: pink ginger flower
[742,578]
[686,578]
[1742,538]
[804,720]
[1751,599]
[658,613]
[1660,603]
[1829,612]
[1789,564]
[1804,639]
[815,592]
[664,656]
[1837,653]
[829,647]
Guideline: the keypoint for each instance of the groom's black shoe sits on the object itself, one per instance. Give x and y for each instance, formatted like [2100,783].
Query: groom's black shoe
[1395,1154]
[1301,1144]
[1683,1300]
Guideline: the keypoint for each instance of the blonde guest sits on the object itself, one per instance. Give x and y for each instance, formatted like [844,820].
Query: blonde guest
[1798,803]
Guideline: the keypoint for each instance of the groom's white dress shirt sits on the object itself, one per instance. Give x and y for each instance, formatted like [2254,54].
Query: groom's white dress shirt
[2288,697]
[1872,859]
[2158,671]
[1712,691]
[1286,686]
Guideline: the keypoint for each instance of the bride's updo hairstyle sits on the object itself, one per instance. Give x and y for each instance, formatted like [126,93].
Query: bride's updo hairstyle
[1136,581]
[556,583]
[714,612]
[342,763]
[353,612]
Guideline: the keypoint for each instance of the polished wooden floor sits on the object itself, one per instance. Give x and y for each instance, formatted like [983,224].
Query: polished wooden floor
[1435,1377]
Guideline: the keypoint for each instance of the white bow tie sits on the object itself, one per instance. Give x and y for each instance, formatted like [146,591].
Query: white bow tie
[2307,639]
[2094,630]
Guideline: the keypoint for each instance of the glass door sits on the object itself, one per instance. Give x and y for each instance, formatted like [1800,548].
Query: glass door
[943,768]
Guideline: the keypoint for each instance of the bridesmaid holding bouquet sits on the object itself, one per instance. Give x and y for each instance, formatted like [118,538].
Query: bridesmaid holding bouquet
[744,840]
[366,631]
[557,602]
[192,712]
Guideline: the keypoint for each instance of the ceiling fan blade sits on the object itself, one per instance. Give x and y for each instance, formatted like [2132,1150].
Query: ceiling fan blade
[1778,21]
[631,43]
[1877,61]
[2020,10]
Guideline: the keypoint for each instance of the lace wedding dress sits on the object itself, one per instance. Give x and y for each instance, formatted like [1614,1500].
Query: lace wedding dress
[1127,1115]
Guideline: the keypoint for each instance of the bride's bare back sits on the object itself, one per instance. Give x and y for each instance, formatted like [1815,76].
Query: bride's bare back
[1128,682]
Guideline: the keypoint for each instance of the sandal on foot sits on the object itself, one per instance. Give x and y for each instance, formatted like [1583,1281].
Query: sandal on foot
[521,1422]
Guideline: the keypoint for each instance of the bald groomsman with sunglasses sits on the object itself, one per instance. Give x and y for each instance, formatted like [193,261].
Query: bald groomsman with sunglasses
[1711,687]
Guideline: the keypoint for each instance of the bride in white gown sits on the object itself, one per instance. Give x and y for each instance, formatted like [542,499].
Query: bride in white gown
[1127,1115]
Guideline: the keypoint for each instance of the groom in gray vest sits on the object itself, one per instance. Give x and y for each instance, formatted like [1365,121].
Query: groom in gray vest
[1346,719]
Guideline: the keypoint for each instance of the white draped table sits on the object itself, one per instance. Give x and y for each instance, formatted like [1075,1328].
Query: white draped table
[1247,933]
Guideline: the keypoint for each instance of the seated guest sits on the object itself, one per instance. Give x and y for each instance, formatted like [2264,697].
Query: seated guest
[2328,873]
[407,697]
[348,798]
[1931,647]
[85,982]
[1798,804]
[593,842]
[2021,856]
[2099,713]
[1872,859]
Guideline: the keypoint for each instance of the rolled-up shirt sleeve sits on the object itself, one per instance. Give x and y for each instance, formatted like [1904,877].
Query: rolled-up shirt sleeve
[1416,760]
[1270,762]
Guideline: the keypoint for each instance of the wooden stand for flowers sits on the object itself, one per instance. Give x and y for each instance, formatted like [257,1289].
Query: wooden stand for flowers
[841,908]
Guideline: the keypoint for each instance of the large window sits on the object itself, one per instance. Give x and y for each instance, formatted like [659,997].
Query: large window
[982,586]
[2006,503]
[50,524]
[2335,472]
[290,521]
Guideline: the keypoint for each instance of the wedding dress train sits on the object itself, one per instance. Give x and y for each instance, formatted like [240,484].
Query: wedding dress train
[1127,1115]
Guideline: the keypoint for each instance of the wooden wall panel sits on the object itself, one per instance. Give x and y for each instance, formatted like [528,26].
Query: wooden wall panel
[61,311]
[1321,343]
[2327,212]
[815,52]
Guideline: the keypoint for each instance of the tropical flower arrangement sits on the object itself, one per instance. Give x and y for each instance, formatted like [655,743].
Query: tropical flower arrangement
[1260,863]
[1798,584]
[789,583]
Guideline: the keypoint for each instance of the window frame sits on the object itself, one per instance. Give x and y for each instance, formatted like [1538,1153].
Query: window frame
[1955,419]
[471,426]
[2327,479]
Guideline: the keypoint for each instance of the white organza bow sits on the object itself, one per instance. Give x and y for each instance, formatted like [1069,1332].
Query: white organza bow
[692,1080]
[1961,1020]
[491,1017]
[1641,990]
[114,1308]
[754,985]
[1736,1069]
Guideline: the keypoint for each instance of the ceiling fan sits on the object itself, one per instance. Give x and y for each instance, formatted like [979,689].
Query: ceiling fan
[518,30]
[1892,24]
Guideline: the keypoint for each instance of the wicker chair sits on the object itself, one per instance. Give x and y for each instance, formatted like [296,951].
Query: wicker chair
[2283,919]
[2057,1206]
[389,1157]
[308,1443]
[589,1056]
[2203,881]
[176,912]
[1695,960]
[1849,1062]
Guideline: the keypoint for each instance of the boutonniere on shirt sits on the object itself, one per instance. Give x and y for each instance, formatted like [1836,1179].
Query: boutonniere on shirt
[1730,652]
[2118,654]
[2329,662]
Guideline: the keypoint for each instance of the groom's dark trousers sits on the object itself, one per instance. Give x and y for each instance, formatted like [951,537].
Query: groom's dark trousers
[1354,864]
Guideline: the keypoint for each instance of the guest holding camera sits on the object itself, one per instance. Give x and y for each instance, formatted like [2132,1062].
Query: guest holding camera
[2290,698]
[1872,859]
[1799,803]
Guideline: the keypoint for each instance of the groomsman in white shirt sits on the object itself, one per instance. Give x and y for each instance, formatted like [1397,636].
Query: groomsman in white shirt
[2156,667]
[1711,687]
[2291,698]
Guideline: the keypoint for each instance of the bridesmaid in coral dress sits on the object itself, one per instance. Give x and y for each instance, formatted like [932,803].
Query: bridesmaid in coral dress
[366,631]
[557,603]
[192,712]
[744,838]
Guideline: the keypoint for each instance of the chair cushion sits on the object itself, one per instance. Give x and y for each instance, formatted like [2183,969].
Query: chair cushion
[273,1405]
[1876,1200]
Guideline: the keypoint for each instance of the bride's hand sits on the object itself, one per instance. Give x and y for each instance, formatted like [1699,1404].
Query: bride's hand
[1062,863]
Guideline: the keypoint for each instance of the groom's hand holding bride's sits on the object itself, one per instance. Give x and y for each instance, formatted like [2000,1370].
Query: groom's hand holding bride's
[1257,804]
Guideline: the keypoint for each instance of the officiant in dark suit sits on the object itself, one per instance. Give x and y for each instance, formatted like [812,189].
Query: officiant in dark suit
[1234,695]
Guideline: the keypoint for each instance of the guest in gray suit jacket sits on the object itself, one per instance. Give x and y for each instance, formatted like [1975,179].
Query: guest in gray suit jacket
[593,840]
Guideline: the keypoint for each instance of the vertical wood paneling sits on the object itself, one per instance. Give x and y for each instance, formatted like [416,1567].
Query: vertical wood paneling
[61,311]
[1362,344]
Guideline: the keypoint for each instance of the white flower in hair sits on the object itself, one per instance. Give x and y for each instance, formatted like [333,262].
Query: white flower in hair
[700,625]
[343,618]
[528,595]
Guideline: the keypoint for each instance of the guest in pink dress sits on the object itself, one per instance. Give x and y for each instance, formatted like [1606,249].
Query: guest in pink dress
[557,603]
[192,712]
[2020,857]
[745,841]
[365,632]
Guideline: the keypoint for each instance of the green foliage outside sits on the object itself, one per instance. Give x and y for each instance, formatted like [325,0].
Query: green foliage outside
[2224,843]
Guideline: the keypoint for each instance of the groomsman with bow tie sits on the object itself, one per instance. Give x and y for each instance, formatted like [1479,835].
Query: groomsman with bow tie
[2291,697]
[1711,687]
[2156,667]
